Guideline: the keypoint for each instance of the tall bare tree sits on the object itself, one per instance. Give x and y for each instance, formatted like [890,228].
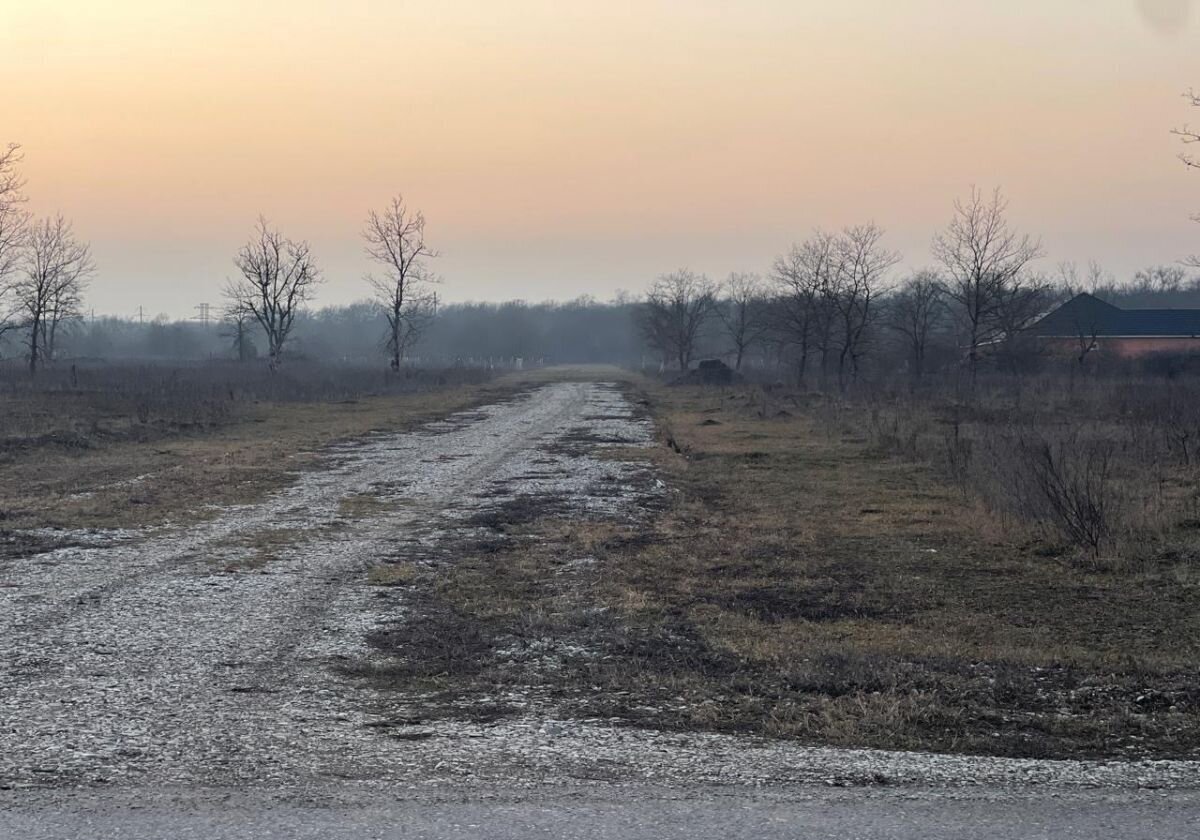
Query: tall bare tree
[278,276]
[49,289]
[982,258]
[916,313]
[803,313]
[14,224]
[66,305]
[396,240]
[1191,136]
[676,308]
[742,311]
[862,267]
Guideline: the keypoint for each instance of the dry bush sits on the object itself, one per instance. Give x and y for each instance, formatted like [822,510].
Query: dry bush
[1072,489]
[1104,466]
[1063,485]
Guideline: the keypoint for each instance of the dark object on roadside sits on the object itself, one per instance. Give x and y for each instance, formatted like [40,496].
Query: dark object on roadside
[709,372]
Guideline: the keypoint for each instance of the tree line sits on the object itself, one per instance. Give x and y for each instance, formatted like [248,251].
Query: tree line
[45,268]
[833,301]
[827,309]
[467,334]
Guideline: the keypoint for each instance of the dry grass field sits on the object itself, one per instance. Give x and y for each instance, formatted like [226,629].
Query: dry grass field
[857,598]
[800,583]
[164,445]
[801,578]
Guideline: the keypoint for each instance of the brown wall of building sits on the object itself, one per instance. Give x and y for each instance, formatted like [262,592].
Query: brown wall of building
[1132,348]
[1128,348]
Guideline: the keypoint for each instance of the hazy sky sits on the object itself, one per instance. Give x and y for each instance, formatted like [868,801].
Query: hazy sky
[571,147]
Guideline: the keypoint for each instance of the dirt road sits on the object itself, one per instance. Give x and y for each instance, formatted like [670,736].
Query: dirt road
[212,657]
[189,656]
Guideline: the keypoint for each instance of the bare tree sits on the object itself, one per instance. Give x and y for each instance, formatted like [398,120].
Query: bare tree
[1021,302]
[743,313]
[66,304]
[237,319]
[1093,280]
[14,223]
[676,308]
[803,311]
[396,240]
[916,314]
[1190,137]
[1159,279]
[1088,321]
[862,268]
[982,257]
[50,287]
[278,277]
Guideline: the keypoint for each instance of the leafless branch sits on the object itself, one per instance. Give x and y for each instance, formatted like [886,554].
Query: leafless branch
[676,308]
[278,276]
[49,288]
[14,226]
[916,312]
[1189,135]
[396,241]
[982,258]
[742,311]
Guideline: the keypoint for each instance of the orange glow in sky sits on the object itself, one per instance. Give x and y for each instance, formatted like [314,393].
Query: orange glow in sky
[561,148]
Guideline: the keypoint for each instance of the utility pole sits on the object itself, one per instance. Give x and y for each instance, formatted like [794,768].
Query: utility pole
[204,309]
[141,315]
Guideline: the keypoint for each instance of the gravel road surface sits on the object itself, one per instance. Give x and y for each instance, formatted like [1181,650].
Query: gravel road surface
[179,683]
[621,814]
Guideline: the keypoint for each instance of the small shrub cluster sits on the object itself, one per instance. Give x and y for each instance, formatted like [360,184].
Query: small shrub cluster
[1103,467]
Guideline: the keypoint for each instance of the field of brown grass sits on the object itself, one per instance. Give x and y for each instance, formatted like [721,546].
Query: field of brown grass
[803,584]
[132,455]
[864,601]
[801,581]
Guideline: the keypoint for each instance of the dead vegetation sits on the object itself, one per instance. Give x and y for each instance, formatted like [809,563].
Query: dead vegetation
[895,573]
[1099,470]
[127,447]
[810,581]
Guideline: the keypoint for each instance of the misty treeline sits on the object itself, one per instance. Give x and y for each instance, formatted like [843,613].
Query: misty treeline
[832,311]
[466,334]
[909,328]
[45,269]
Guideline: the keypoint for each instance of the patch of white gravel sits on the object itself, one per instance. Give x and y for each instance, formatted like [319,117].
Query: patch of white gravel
[133,659]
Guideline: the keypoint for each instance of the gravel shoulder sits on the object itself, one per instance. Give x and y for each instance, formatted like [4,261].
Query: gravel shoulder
[213,658]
